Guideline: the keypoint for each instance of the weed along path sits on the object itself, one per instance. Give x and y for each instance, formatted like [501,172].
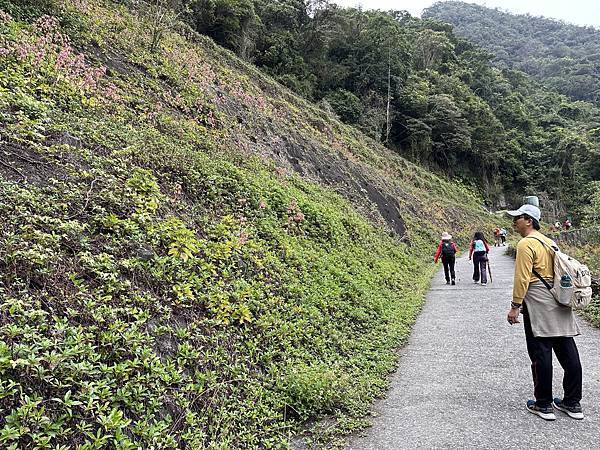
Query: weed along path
[464,377]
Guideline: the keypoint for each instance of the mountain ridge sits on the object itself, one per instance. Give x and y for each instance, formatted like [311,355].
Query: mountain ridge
[562,55]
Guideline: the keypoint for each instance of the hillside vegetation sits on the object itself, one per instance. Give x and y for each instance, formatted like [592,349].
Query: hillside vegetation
[563,56]
[425,92]
[190,255]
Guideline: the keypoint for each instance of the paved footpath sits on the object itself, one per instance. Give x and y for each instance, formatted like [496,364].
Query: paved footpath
[464,377]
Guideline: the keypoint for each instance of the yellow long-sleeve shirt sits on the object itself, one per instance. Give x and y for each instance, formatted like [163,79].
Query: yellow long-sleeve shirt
[532,254]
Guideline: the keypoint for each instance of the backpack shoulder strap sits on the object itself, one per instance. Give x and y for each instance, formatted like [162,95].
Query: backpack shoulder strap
[534,271]
[542,280]
[543,243]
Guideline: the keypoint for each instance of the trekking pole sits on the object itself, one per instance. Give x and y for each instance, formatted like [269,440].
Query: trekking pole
[490,271]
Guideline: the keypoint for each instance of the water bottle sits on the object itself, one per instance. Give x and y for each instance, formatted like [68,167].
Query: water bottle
[566,290]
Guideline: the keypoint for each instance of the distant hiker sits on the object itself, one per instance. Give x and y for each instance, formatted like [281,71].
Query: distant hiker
[567,224]
[548,325]
[447,249]
[496,237]
[478,251]
[503,233]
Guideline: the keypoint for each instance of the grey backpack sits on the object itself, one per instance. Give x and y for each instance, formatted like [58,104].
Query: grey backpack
[572,280]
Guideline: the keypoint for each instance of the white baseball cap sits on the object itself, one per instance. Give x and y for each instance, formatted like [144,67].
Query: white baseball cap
[530,210]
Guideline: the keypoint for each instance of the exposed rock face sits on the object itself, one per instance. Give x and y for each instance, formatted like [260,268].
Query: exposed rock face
[323,162]
[351,179]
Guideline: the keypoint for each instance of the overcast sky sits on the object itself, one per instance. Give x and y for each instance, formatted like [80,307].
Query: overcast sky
[579,12]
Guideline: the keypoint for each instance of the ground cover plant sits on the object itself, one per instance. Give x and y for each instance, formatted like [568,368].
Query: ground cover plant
[161,286]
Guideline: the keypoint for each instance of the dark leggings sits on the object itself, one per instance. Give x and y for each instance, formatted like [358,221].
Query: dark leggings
[448,262]
[540,353]
[480,266]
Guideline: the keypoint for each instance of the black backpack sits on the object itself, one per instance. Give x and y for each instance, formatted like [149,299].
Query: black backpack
[448,249]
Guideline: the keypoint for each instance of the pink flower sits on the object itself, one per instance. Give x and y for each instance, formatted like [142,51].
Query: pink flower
[5,17]
[111,92]
[46,24]
[99,72]
[89,82]
[39,56]
[262,204]
[292,206]
[210,119]
[63,57]
[23,50]
[177,190]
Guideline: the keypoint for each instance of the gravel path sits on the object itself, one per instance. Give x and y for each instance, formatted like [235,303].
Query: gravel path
[464,377]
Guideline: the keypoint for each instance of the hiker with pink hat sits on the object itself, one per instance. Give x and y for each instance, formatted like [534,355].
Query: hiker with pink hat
[447,250]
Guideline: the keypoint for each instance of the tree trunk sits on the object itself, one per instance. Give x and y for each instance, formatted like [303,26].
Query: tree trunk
[387,111]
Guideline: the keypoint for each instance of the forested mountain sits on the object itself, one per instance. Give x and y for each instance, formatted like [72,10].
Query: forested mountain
[422,90]
[563,56]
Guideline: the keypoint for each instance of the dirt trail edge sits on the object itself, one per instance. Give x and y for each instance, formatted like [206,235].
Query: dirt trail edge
[464,377]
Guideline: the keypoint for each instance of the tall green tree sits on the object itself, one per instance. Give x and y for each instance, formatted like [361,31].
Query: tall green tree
[231,23]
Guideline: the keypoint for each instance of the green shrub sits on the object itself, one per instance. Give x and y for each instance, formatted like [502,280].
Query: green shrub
[346,105]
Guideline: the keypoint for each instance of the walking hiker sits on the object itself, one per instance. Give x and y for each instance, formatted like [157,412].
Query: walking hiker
[548,325]
[496,237]
[447,249]
[478,251]
[503,233]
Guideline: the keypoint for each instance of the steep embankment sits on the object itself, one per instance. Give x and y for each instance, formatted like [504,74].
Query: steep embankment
[190,255]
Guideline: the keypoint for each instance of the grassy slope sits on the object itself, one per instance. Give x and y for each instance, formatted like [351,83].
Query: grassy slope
[161,286]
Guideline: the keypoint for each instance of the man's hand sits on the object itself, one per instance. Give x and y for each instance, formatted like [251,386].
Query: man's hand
[513,316]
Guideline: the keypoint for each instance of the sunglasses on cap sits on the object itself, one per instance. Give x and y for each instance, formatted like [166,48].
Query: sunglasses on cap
[522,216]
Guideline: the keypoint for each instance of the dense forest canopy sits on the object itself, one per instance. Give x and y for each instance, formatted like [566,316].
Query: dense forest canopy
[429,94]
[564,57]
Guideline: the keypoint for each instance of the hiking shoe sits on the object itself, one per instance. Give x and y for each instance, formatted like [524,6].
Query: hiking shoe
[448,282]
[453,282]
[484,284]
[574,412]
[475,281]
[546,413]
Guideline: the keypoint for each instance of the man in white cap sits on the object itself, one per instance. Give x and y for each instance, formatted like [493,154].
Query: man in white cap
[548,325]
